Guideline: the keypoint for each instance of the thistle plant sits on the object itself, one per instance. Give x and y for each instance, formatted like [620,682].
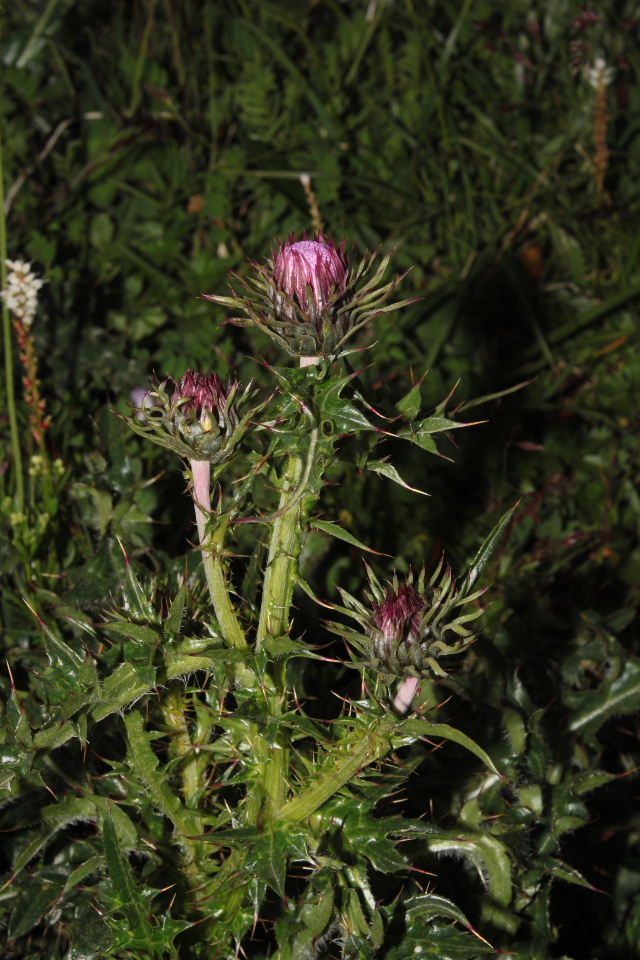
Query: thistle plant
[243,714]
[243,804]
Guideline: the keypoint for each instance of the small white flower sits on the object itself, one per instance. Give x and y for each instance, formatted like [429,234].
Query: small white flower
[599,75]
[21,295]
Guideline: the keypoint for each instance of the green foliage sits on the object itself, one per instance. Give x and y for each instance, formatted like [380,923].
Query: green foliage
[170,791]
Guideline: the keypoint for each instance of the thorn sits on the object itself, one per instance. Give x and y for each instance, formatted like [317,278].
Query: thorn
[451,392]
[124,552]
[56,798]
[476,934]
[38,618]
[9,882]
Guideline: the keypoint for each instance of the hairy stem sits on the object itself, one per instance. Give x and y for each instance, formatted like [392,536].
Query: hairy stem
[211,547]
[265,798]
[174,713]
[275,609]
[372,747]
[147,767]
[278,584]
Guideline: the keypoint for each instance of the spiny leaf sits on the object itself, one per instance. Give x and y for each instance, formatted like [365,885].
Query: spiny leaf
[34,902]
[65,661]
[90,808]
[130,900]
[412,729]
[178,665]
[622,695]
[335,530]
[430,905]
[483,555]
[387,469]
[315,915]
[145,764]
[345,417]
[368,838]
[492,396]
[409,405]
[435,941]
[18,723]
[128,682]
[173,623]
[564,872]
[137,632]
[135,599]
[488,855]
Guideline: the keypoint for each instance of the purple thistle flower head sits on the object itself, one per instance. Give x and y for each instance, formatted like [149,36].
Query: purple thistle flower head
[398,616]
[197,416]
[311,298]
[313,273]
[202,394]
[406,627]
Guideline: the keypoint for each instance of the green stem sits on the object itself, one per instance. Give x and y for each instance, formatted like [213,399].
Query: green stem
[277,590]
[232,632]
[277,593]
[147,767]
[374,745]
[275,610]
[173,711]
[16,449]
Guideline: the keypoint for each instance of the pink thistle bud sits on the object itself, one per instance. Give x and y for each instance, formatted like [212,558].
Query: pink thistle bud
[398,616]
[197,416]
[310,298]
[200,395]
[310,272]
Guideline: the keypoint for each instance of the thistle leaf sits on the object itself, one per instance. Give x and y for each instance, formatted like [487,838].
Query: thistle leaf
[335,530]
[386,469]
[483,555]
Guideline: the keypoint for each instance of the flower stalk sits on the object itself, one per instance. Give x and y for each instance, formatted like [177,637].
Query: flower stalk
[16,449]
[210,546]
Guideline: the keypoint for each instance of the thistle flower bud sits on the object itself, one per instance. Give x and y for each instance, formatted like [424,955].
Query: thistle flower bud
[196,416]
[310,298]
[406,628]
[397,620]
[201,396]
[311,273]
